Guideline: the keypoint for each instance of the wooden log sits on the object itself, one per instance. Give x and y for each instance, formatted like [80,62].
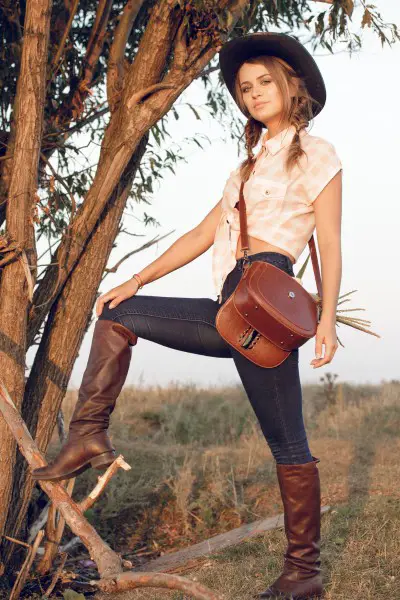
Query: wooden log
[130,581]
[170,562]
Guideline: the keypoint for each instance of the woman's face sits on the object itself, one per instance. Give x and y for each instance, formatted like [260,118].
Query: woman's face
[260,94]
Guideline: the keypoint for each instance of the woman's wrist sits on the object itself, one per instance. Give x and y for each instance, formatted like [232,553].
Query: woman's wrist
[328,318]
[138,278]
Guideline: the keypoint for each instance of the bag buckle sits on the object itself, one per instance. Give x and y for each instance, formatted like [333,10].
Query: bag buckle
[246,260]
[249,338]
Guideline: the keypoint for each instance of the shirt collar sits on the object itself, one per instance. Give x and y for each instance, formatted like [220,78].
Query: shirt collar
[280,140]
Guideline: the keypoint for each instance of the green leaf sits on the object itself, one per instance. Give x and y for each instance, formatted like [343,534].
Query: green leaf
[195,112]
[198,143]
[327,44]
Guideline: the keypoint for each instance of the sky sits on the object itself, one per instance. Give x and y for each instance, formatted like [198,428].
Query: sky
[361,119]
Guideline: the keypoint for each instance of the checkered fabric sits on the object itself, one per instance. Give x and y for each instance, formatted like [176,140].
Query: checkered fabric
[279,205]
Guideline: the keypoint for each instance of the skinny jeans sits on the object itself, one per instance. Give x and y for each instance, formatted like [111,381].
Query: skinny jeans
[188,324]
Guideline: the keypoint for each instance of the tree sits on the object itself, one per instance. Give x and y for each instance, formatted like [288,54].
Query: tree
[57,60]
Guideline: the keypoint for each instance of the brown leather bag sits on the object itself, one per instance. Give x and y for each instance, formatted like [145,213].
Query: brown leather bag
[269,314]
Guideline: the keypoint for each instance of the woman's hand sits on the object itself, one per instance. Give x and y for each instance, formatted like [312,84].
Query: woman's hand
[118,294]
[326,334]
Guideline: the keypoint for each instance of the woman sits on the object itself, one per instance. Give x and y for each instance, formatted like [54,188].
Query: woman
[292,186]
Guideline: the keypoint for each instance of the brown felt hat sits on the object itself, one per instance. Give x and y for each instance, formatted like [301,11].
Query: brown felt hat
[235,52]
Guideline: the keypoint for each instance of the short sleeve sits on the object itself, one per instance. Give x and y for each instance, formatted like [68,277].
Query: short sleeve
[323,164]
[231,190]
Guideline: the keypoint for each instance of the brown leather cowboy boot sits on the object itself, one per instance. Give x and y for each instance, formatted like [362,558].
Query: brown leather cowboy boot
[88,443]
[301,496]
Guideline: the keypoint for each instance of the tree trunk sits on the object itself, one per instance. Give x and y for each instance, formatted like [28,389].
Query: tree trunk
[29,103]
[65,327]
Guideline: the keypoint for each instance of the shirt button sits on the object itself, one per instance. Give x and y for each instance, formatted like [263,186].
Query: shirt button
[267,191]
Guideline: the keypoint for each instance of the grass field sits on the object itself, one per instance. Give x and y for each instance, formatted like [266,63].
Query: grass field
[200,466]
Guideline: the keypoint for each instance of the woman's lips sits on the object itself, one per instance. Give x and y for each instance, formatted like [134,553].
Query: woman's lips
[256,107]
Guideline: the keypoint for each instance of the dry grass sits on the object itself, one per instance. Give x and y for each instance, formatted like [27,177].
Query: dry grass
[200,466]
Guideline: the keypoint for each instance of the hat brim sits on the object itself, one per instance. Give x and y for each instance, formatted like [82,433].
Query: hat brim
[235,52]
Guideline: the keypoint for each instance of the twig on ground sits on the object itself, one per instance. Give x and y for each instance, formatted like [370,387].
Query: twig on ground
[56,575]
[24,572]
[54,532]
[11,539]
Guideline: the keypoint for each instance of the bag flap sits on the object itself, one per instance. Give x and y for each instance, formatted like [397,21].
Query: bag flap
[287,304]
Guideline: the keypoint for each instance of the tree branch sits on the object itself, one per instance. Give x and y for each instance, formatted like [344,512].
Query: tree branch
[102,482]
[116,62]
[94,48]
[148,244]
[66,31]
[107,561]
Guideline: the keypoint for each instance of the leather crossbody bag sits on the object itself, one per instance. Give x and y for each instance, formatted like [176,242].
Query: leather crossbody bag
[269,314]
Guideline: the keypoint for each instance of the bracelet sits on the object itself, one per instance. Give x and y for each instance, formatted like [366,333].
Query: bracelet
[138,279]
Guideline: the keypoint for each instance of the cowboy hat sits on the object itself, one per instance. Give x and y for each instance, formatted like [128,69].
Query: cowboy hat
[235,52]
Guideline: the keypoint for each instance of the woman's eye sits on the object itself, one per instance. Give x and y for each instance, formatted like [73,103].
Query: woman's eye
[246,89]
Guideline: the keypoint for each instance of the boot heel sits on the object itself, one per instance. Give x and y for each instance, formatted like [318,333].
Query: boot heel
[103,460]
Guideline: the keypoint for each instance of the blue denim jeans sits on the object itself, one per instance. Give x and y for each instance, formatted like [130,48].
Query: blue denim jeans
[188,324]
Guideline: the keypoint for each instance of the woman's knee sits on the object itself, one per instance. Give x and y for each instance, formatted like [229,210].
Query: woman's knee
[107,312]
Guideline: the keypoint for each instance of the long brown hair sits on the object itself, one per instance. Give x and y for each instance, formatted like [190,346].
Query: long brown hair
[296,111]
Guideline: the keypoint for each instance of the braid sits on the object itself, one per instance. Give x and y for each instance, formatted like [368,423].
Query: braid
[252,133]
[299,121]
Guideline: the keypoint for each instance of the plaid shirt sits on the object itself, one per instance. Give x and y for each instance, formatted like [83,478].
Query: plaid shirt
[279,206]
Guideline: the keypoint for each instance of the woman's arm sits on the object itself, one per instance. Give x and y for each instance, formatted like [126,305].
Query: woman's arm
[328,216]
[188,247]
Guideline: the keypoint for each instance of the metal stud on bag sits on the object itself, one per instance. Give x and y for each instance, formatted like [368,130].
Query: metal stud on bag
[291,294]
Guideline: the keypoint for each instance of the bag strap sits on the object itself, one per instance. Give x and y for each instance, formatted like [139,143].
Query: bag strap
[245,241]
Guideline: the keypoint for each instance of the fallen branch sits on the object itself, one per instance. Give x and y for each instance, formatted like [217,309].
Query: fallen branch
[24,572]
[130,581]
[108,563]
[174,560]
[11,539]
[54,532]
[56,575]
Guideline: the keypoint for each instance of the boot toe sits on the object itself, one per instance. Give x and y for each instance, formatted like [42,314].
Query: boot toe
[47,474]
